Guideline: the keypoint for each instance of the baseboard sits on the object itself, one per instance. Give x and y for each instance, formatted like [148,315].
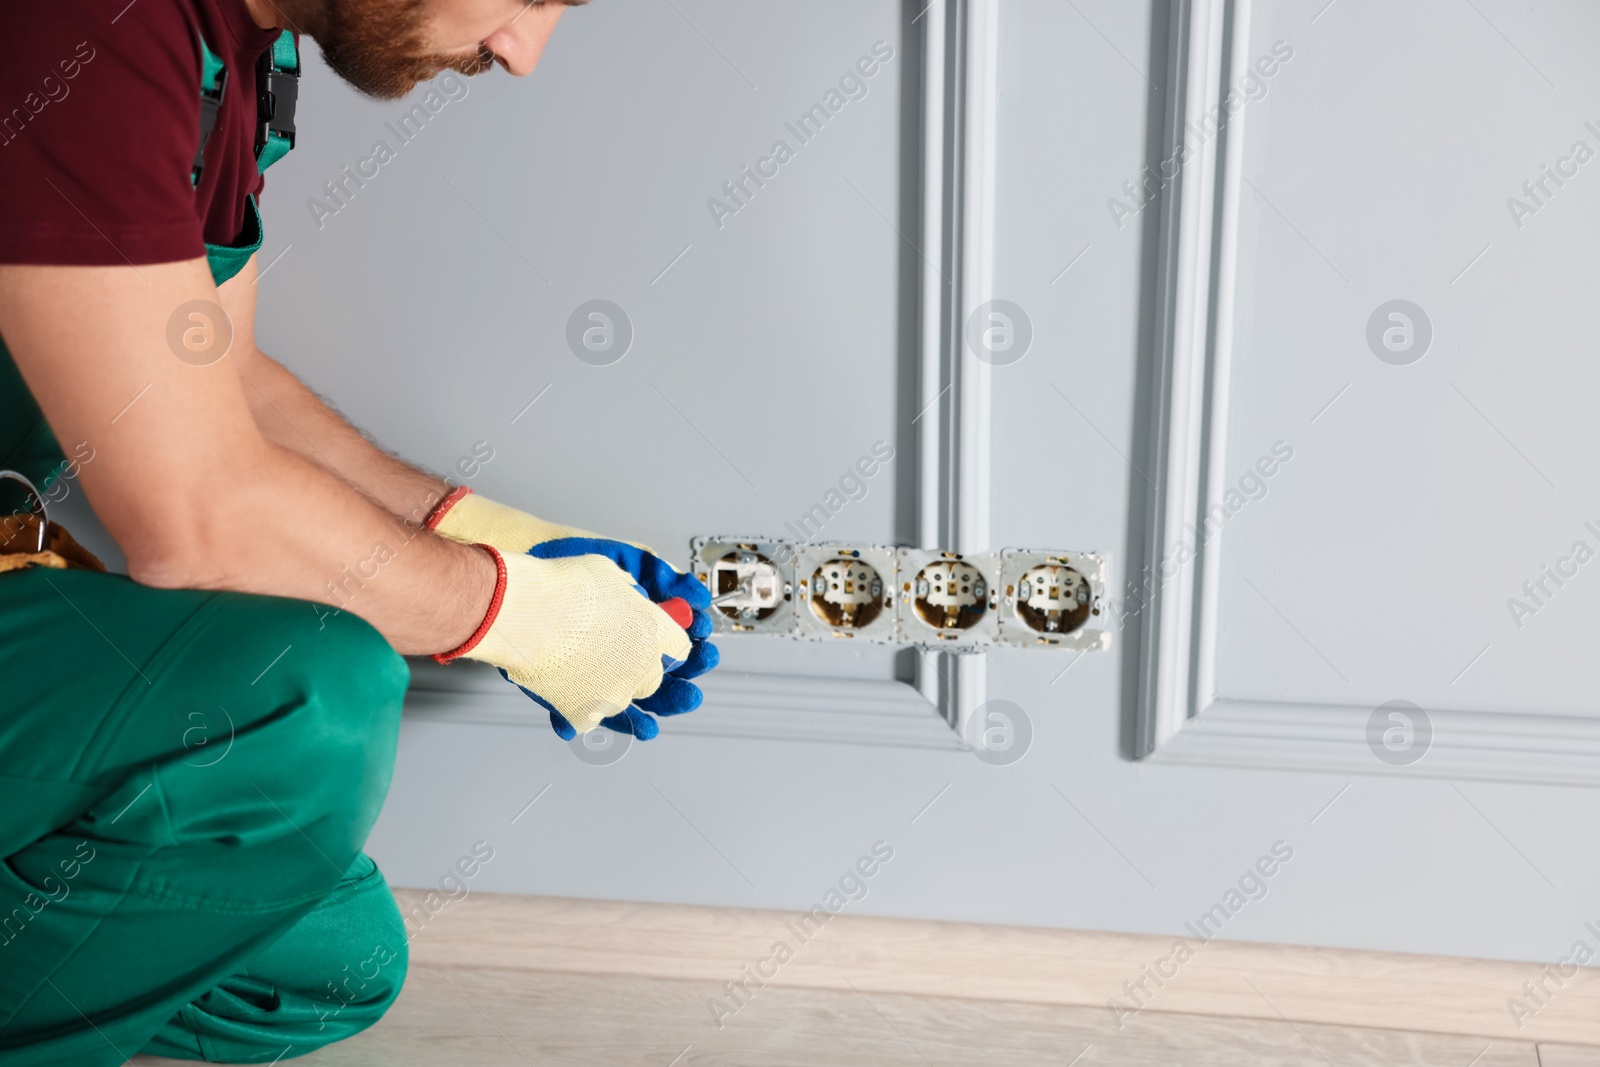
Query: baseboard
[1064,967]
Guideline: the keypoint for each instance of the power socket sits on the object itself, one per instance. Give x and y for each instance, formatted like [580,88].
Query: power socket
[1054,599]
[846,592]
[948,599]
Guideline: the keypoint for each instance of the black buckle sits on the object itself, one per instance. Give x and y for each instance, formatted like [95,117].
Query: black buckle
[277,93]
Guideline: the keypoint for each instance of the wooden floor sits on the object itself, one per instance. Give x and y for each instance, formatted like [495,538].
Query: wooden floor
[499,981]
[499,1018]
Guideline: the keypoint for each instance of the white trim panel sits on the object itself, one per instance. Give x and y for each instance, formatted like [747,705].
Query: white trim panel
[1179,716]
[767,707]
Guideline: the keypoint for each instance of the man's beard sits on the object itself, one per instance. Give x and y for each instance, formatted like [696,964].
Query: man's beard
[379,46]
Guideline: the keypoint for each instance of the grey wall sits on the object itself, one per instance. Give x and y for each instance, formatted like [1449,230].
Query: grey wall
[778,339]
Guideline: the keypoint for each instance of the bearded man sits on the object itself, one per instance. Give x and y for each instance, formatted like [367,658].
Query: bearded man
[192,754]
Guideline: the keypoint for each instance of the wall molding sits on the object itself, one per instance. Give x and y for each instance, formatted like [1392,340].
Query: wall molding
[960,95]
[764,707]
[1189,294]
[1179,716]
[1478,745]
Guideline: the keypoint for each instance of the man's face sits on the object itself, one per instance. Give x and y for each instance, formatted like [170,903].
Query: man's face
[385,47]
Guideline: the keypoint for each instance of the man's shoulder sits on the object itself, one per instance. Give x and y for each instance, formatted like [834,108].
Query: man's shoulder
[146,34]
[99,118]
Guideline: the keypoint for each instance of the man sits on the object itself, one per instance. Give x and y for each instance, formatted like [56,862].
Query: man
[191,755]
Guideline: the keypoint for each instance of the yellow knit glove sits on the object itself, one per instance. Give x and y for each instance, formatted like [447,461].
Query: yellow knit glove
[575,634]
[466,517]
[471,519]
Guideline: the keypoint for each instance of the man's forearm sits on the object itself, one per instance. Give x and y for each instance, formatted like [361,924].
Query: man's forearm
[424,593]
[292,416]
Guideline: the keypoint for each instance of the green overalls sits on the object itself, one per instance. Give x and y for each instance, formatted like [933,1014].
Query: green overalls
[186,781]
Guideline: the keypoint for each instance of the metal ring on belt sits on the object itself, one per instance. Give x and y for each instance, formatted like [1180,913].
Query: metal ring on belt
[44,510]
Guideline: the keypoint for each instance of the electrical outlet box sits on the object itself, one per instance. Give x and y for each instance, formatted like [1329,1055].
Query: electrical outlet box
[875,594]
[1052,599]
[948,599]
[846,592]
[752,583]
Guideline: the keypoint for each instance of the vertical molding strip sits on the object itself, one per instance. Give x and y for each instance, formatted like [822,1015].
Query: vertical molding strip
[960,41]
[1166,674]
[975,275]
[1230,169]
[933,493]
[933,490]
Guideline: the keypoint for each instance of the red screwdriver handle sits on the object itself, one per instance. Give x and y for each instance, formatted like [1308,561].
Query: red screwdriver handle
[679,611]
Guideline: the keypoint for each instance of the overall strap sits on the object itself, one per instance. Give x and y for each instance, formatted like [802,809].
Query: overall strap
[277,92]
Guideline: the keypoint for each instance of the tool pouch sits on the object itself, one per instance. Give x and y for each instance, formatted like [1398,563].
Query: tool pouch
[32,540]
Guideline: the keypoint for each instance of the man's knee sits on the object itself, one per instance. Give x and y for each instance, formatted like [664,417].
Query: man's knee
[298,719]
[345,962]
[339,662]
[364,989]
[336,710]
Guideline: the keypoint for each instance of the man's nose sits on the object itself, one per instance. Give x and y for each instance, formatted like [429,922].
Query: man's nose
[518,45]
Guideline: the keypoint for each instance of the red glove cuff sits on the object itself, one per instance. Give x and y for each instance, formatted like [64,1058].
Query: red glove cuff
[488,619]
[436,516]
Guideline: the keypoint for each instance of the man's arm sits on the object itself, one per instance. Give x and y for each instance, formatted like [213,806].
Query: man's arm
[292,416]
[193,491]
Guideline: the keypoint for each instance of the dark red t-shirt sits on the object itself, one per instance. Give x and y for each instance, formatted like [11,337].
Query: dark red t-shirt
[99,121]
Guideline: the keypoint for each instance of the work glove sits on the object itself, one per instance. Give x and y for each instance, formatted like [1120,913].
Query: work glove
[579,637]
[469,518]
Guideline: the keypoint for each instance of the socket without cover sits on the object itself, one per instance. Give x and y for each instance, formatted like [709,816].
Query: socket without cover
[845,592]
[751,583]
[1053,599]
[946,598]
[905,596]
